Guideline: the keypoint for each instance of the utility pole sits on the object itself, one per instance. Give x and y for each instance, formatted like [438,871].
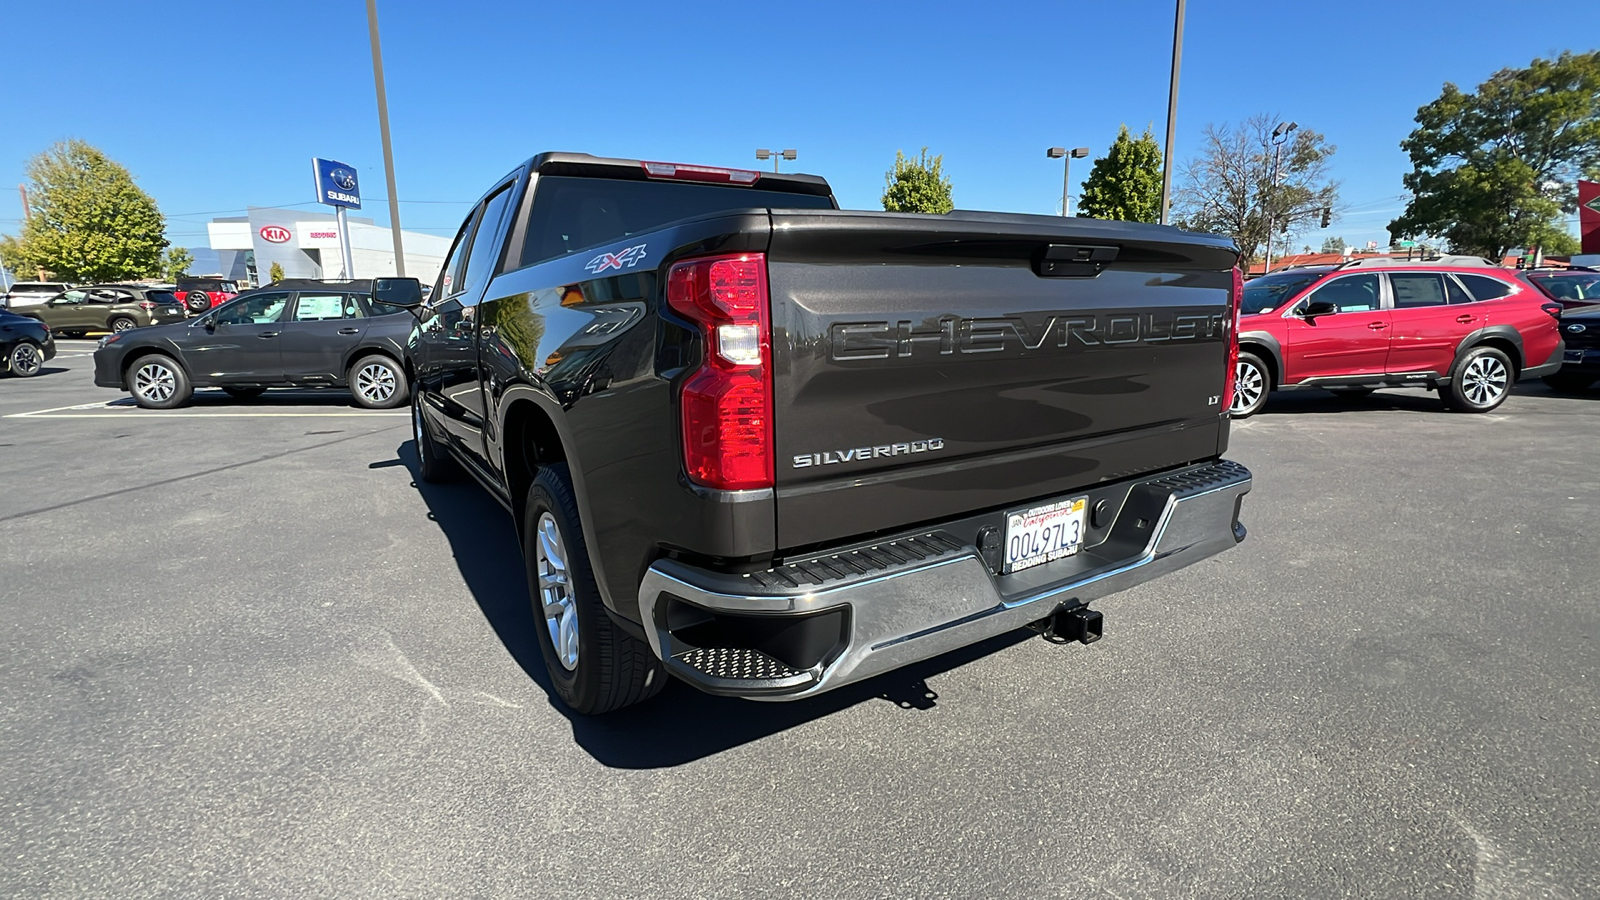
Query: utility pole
[1280,135]
[1066,158]
[1172,117]
[388,150]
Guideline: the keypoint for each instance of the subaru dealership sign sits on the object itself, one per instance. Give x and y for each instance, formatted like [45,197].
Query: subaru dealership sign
[337,184]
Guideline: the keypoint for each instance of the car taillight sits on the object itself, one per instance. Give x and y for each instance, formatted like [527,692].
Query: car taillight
[700,173]
[1554,309]
[727,402]
[146,304]
[1235,300]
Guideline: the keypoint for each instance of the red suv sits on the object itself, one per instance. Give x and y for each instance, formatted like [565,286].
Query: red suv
[202,293]
[1467,332]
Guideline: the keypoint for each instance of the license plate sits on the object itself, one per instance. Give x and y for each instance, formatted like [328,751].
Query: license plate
[1043,534]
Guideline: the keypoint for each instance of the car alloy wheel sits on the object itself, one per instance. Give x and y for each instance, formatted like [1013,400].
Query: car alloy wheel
[25,360]
[555,591]
[121,325]
[1249,384]
[154,381]
[375,383]
[1485,380]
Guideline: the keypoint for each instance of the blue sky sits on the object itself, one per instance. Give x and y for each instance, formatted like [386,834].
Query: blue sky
[216,106]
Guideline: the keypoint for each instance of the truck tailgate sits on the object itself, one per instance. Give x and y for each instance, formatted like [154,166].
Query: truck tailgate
[931,366]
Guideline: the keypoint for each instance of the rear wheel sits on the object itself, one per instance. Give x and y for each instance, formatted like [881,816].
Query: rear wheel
[122,323]
[378,382]
[158,382]
[1569,381]
[594,666]
[25,359]
[197,301]
[244,393]
[1251,384]
[1482,381]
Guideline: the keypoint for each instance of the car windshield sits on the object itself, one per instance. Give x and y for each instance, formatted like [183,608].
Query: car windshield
[1269,292]
[1570,285]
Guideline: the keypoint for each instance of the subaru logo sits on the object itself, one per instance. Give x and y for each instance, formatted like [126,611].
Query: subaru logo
[344,178]
[1577,329]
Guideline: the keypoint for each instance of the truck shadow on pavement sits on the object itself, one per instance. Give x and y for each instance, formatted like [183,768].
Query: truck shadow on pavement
[680,724]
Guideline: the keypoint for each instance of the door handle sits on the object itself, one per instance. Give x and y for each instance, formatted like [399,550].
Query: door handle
[267,334]
[1377,326]
[1465,319]
[349,331]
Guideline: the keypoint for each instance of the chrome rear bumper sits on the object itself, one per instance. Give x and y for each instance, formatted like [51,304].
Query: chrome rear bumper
[899,601]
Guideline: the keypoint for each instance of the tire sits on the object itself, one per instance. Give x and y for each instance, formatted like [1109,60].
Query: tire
[377,382]
[1252,382]
[434,464]
[599,667]
[25,359]
[244,393]
[1351,393]
[197,301]
[156,381]
[1568,382]
[1480,382]
[121,324]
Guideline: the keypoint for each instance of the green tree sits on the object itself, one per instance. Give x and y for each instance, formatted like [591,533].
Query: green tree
[89,221]
[176,262]
[1493,170]
[1333,245]
[275,272]
[1125,184]
[1229,187]
[917,185]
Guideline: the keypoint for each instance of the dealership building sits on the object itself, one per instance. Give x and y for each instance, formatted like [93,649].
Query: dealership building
[306,245]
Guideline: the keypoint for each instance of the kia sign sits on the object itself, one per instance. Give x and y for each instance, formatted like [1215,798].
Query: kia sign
[337,184]
[277,234]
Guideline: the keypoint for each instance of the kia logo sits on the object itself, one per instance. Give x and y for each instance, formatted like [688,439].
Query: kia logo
[1577,329]
[344,178]
[277,234]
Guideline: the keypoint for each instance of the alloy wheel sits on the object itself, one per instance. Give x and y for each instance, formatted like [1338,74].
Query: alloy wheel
[155,381]
[375,383]
[25,360]
[121,325]
[1248,386]
[1485,380]
[555,591]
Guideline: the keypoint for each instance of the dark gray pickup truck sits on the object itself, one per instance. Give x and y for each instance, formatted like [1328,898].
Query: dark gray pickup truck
[772,447]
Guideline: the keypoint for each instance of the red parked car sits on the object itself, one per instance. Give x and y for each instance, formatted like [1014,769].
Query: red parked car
[1467,332]
[201,293]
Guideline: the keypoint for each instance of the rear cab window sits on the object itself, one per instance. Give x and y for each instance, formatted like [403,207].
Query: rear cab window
[572,213]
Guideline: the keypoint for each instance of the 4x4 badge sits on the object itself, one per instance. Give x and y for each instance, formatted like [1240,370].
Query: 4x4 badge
[623,259]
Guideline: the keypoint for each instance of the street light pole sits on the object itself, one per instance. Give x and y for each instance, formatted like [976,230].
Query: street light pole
[1172,116]
[775,155]
[1066,158]
[388,150]
[1279,136]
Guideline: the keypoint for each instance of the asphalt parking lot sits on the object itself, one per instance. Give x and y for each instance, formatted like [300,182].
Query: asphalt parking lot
[245,655]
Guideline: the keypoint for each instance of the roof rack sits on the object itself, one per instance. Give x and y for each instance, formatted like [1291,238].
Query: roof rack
[1378,262]
[1562,269]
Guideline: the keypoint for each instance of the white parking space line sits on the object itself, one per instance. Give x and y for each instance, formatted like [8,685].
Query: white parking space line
[125,410]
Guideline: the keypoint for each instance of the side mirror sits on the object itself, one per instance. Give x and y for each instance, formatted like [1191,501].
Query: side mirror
[403,292]
[1320,308]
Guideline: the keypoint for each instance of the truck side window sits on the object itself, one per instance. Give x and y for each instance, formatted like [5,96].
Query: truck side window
[481,258]
[450,274]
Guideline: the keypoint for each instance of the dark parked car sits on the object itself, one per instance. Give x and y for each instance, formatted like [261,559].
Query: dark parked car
[106,307]
[1580,362]
[1572,288]
[202,293]
[300,334]
[25,344]
[770,447]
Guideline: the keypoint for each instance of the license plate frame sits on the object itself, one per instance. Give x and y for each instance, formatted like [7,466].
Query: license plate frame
[1043,534]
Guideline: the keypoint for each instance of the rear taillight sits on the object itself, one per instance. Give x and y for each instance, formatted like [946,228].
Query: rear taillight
[146,304]
[1235,300]
[1554,309]
[727,402]
[700,173]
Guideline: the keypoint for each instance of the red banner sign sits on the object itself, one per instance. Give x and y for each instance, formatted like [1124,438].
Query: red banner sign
[1589,215]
